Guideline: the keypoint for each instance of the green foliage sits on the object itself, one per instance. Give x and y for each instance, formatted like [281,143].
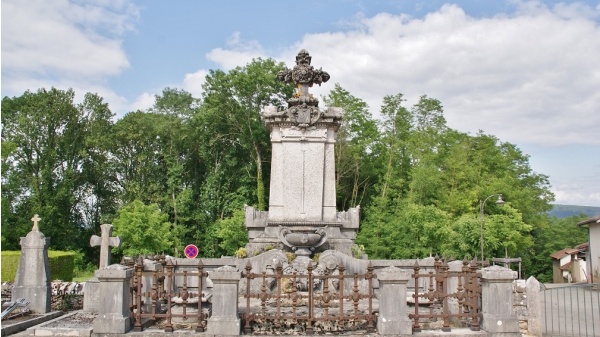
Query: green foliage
[290,256]
[55,164]
[144,229]
[241,253]
[10,264]
[231,233]
[354,152]
[60,263]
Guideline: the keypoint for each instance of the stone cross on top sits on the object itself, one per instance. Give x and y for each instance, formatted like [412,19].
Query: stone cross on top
[105,241]
[36,218]
[303,76]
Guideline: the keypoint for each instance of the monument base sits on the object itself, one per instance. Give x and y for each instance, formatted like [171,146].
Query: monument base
[223,326]
[37,296]
[112,323]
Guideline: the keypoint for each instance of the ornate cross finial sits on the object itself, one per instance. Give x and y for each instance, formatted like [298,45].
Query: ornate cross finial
[35,220]
[303,76]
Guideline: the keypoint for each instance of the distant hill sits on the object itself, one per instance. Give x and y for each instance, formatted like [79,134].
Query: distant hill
[564,211]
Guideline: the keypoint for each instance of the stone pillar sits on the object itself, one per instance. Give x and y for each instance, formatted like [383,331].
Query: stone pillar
[452,287]
[114,300]
[32,281]
[499,318]
[393,316]
[534,307]
[224,319]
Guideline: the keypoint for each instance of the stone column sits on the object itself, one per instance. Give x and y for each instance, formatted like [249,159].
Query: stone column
[393,316]
[32,281]
[224,319]
[534,307]
[114,300]
[497,301]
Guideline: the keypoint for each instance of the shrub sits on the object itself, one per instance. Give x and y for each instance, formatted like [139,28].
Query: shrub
[61,265]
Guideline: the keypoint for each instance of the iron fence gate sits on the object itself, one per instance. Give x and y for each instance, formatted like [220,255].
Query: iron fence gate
[308,303]
[466,296]
[571,310]
[154,292]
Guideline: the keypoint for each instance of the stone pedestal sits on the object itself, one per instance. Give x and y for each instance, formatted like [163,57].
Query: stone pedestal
[497,301]
[393,316]
[114,300]
[91,295]
[224,319]
[32,281]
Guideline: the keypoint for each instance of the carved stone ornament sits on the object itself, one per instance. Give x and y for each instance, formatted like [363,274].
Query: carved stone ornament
[303,107]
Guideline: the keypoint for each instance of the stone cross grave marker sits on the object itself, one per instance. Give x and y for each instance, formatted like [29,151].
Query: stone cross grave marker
[35,220]
[105,241]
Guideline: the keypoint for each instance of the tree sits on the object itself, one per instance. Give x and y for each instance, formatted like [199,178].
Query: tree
[354,149]
[235,101]
[145,229]
[49,163]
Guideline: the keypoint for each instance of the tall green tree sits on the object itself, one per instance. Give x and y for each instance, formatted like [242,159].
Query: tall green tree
[234,101]
[49,165]
[354,149]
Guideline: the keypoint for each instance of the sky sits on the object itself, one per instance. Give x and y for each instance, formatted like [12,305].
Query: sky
[527,72]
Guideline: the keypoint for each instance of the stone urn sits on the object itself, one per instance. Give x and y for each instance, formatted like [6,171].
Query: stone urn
[303,243]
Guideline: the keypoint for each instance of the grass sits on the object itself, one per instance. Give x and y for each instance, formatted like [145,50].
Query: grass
[83,276]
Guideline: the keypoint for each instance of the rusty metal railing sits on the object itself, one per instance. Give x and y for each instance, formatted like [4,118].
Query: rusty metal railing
[155,302]
[317,307]
[436,297]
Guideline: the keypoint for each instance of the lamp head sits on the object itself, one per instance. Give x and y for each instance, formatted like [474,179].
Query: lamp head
[500,202]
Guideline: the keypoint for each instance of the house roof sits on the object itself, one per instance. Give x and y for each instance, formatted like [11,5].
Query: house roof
[564,252]
[589,221]
[583,247]
[566,266]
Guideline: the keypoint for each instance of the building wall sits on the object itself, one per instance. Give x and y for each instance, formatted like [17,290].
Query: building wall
[556,272]
[594,260]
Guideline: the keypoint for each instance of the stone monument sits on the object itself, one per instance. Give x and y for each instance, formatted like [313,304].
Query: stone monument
[105,241]
[32,281]
[302,215]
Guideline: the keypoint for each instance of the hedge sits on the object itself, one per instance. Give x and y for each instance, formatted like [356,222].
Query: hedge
[61,265]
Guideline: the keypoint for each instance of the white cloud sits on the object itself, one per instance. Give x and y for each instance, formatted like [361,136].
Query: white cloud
[143,102]
[64,44]
[192,82]
[238,53]
[532,76]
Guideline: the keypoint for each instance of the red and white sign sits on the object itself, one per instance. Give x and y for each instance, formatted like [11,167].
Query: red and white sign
[190,251]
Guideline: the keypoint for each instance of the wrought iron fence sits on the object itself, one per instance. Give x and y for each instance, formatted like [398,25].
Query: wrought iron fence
[467,295]
[308,303]
[571,310]
[154,293]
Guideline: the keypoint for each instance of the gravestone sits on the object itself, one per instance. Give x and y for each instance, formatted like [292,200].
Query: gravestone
[302,214]
[32,281]
[92,286]
[105,241]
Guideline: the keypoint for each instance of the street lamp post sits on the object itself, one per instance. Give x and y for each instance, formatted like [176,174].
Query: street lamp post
[499,202]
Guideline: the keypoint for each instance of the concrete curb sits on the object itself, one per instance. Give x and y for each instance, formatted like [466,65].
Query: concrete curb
[14,328]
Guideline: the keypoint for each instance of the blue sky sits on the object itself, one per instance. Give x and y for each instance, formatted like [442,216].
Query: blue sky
[527,72]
